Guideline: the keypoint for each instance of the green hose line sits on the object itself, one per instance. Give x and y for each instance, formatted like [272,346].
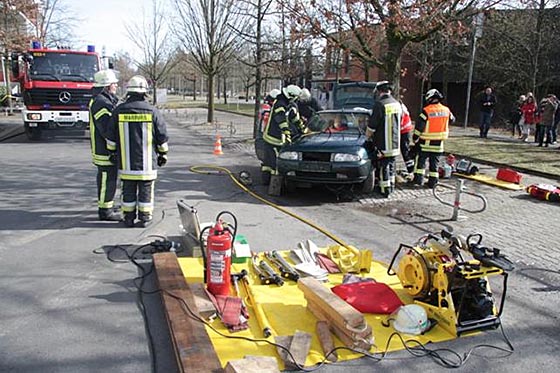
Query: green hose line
[211,169]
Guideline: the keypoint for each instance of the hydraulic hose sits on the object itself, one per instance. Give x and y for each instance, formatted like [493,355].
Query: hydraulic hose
[212,169]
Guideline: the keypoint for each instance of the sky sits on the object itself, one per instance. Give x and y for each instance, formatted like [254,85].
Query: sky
[103,23]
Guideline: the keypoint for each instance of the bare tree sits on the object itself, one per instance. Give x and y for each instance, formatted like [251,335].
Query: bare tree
[377,31]
[55,23]
[152,37]
[206,30]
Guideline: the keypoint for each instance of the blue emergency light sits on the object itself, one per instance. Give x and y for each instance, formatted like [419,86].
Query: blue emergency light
[91,48]
[35,44]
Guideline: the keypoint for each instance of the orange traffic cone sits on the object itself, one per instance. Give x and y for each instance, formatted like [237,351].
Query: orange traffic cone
[218,146]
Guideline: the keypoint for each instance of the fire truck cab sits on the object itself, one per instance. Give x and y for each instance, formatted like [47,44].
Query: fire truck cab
[57,86]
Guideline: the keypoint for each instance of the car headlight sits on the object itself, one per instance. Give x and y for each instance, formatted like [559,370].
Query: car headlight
[290,156]
[345,157]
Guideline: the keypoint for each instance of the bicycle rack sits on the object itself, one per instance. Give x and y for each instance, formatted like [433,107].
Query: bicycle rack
[459,189]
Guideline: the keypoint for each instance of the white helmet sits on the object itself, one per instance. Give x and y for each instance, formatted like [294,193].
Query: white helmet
[411,319]
[433,94]
[292,91]
[305,95]
[103,78]
[137,84]
[274,92]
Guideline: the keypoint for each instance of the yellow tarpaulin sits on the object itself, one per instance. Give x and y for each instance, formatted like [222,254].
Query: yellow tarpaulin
[486,179]
[285,309]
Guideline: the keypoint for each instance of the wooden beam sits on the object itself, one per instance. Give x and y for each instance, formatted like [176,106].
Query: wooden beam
[193,349]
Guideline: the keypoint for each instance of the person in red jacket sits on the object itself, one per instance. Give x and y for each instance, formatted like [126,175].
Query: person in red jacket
[530,112]
[406,136]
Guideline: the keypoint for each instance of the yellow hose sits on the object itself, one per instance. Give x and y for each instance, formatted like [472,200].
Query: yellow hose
[199,170]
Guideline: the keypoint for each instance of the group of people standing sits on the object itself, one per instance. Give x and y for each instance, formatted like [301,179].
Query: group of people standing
[127,141]
[540,120]
[385,131]
[390,132]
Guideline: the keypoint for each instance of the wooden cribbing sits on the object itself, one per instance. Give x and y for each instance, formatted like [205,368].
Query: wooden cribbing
[336,308]
[193,350]
[326,340]
[348,338]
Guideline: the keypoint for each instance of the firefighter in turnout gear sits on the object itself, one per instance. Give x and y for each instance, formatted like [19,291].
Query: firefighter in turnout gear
[383,135]
[432,128]
[284,124]
[100,111]
[139,138]
[406,136]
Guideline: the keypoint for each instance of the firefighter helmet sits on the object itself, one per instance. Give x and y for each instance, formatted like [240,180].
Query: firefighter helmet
[411,319]
[274,92]
[103,78]
[305,95]
[137,84]
[433,94]
[383,86]
[292,91]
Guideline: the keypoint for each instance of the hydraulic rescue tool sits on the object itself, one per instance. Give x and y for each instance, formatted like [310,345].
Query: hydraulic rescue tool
[455,293]
[286,270]
[265,273]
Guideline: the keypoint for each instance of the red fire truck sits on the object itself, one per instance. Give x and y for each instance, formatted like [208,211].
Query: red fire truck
[56,86]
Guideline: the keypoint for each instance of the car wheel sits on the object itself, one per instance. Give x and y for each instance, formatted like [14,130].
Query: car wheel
[369,183]
[33,134]
[265,177]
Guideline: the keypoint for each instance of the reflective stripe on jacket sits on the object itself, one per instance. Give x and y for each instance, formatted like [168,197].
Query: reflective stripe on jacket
[139,132]
[277,131]
[100,109]
[385,121]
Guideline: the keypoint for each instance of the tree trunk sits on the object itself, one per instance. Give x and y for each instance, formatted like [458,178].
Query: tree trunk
[392,59]
[210,85]
[154,91]
[194,89]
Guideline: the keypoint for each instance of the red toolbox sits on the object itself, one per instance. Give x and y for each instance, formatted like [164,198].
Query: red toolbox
[509,175]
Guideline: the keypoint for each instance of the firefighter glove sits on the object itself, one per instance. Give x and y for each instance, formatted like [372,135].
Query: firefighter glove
[161,160]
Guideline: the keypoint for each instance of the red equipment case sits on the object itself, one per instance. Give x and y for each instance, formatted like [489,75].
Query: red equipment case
[509,175]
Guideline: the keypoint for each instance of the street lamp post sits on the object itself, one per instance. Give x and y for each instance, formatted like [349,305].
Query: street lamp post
[478,21]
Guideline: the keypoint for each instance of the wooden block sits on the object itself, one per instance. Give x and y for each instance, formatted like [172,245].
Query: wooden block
[285,341]
[364,342]
[253,364]
[193,349]
[326,340]
[299,348]
[203,304]
[334,306]
[275,186]
[358,333]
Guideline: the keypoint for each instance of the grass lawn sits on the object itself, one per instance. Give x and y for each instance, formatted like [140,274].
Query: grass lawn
[504,151]
[177,102]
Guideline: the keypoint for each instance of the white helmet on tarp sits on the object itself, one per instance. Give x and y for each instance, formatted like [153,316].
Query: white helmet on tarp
[411,319]
[137,84]
[292,91]
[103,78]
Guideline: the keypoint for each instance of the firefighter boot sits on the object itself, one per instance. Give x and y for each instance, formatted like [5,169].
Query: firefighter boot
[109,215]
[145,220]
[129,220]
[432,182]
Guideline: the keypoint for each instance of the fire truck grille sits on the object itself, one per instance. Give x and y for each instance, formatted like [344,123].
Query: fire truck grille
[58,97]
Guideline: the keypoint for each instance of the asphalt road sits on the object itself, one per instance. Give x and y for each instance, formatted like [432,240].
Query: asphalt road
[65,308]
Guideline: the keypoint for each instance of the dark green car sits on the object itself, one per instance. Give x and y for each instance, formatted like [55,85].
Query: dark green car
[333,155]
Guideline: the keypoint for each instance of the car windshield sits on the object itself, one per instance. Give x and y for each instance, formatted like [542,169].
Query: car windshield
[340,121]
[63,66]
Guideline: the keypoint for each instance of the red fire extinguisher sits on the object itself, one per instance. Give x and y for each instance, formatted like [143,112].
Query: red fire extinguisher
[218,257]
